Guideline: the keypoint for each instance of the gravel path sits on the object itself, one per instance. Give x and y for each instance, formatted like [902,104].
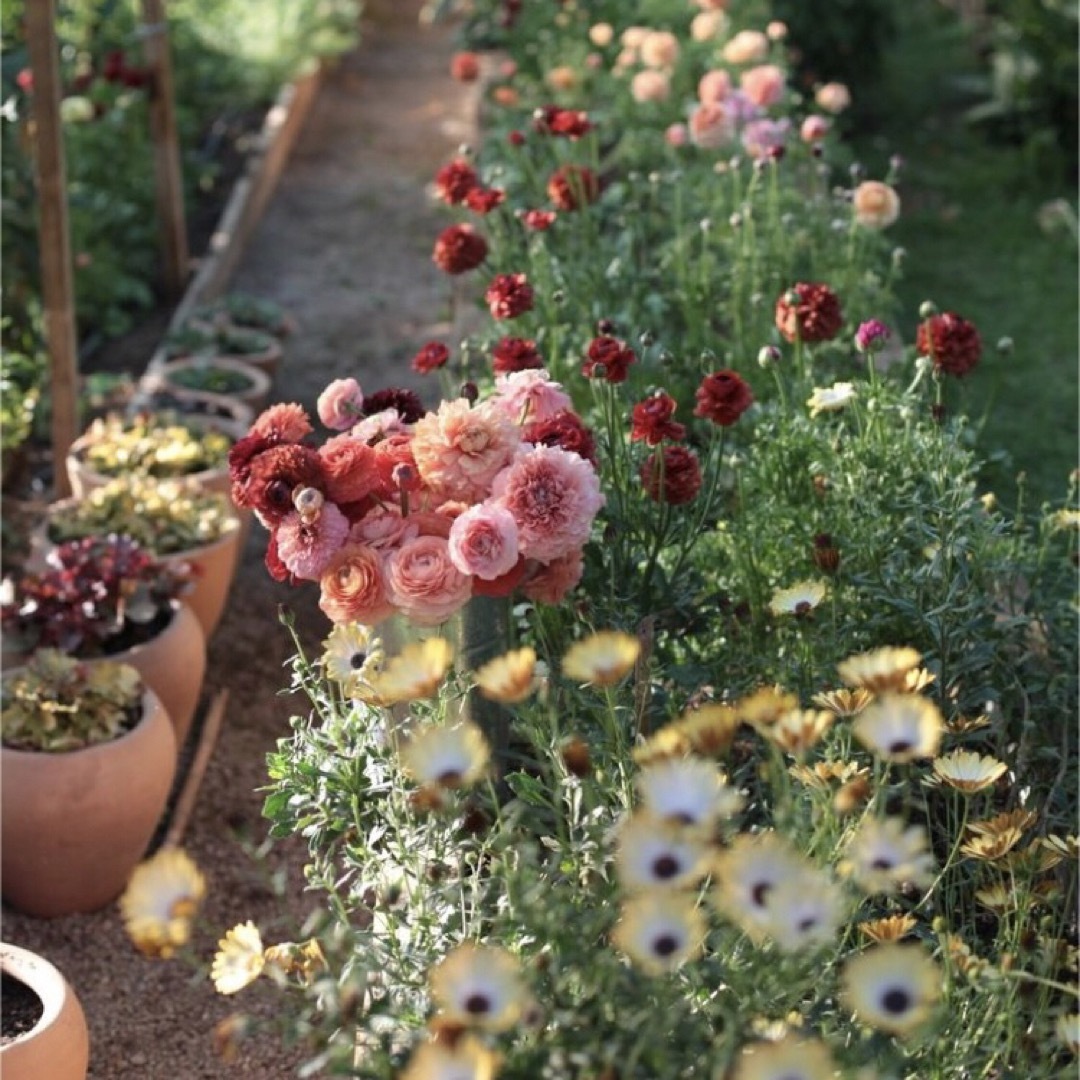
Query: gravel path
[345,245]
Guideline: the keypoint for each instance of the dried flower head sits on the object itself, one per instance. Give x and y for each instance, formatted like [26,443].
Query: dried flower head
[160,901]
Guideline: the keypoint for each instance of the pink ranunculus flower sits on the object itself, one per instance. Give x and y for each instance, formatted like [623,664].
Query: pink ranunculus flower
[814,128]
[530,395]
[306,550]
[553,580]
[380,529]
[460,448]
[760,138]
[353,587]
[378,426]
[676,135]
[553,496]
[341,404]
[423,583]
[650,85]
[711,126]
[713,86]
[763,85]
[484,541]
[746,47]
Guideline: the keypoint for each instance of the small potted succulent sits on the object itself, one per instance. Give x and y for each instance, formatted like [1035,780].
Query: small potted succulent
[158,444]
[224,339]
[223,376]
[175,520]
[87,759]
[105,597]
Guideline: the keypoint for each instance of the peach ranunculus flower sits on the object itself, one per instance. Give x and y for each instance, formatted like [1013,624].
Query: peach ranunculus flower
[602,34]
[776,30]
[459,449]
[380,529]
[707,25]
[341,404]
[660,49]
[763,85]
[876,205]
[350,469]
[833,97]
[650,86]
[353,587]
[529,396]
[746,47]
[553,495]
[484,541]
[423,583]
[711,126]
[552,581]
[633,36]
[561,78]
[713,86]
[814,128]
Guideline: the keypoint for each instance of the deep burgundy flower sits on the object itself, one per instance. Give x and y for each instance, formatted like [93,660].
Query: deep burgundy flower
[459,249]
[671,474]
[273,476]
[516,138]
[455,180]
[538,220]
[508,296]
[809,311]
[567,123]
[484,200]
[564,429]
[951,342]
[723,397]
[431,357]
[608,358]
[515,354]
[573,186]
[407,402]
[652,423]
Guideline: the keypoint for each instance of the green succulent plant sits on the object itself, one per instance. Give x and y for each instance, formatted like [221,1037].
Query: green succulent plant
[153,444]
[164,516]
[57,703]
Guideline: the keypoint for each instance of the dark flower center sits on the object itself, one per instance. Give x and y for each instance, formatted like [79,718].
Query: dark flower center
[806,925]
[477,1004]
[667,866]
[759,892]
[881,863]
[449,777]
[901,746]
[665,945]
[357,660]
[896,1001]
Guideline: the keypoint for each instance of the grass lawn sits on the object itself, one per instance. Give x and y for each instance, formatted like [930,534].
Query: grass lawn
[975,246]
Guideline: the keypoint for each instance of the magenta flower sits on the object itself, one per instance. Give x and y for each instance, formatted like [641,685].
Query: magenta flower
[871,335]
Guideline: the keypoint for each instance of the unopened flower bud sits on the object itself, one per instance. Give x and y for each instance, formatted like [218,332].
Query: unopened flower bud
[1005,345]
[646,339]
[767,356]
[605,326]
[309,503]
[558,296]
[406,478]
[927,309]
[898,256]
[470,392]
[576,757]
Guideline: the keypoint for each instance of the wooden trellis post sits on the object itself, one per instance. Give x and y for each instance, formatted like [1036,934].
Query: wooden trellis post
[168,181]
[54,240]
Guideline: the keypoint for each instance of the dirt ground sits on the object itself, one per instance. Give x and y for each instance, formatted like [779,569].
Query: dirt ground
[345,245]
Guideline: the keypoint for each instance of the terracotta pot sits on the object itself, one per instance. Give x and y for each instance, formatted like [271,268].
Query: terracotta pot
[255,396]
[268,361]
[58,1046]
[75,824]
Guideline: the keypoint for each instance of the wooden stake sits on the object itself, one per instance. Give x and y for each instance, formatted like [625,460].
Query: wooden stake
[168,178]
[54,240]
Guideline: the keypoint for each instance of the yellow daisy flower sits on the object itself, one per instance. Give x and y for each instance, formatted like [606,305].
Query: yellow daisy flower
[669,742]
[653,854]
[804,911]
[601,659]
[747,872]
[918,680]
[415,672]
[352,656]
[160,901]
[846,702]
[710,730]
[465,1059]
[239,960]
[765,706]
[853,794]
[479,986]
[791,1058]
[890,928]
[900,727]
[660,931]
[880,670]
[892,987]
[831,398]
[798,731]
[798,599]
[886,853]
[446,757]
[991,848]
[1065,846]
[967,771]
[998,898]
[508,679]
[999,823]
[961,725]
[823,774]
[687,791]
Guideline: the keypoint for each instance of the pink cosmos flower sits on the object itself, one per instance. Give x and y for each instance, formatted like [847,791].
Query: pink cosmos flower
[378,426]
[341,404]
[553,496]
[713,86]
[711,126]
[423,583]
[528,396]
[484,541]
[459,448]
[763,85]
[551,582]
[307,549]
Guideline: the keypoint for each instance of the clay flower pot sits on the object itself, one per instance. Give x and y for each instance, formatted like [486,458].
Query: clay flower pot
[253,384]
[75,824]
[58,1046]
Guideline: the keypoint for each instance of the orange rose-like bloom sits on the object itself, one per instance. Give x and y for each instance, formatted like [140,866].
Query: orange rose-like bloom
[353,588]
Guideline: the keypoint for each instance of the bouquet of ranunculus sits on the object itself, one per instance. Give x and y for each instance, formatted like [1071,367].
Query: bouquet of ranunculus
[408,512]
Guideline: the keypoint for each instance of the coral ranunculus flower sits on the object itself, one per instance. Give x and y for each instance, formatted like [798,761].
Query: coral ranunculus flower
[810,312]
[341,404]
[508,296]
[671,475]
[459,249]
[876,205]
[484,542]
[652,423]
[723,397]
[951,342]
[565,429]
[553,580]
[353,587]
[571,187]
[711,126]
[351,474]
[423,582]
[763,85]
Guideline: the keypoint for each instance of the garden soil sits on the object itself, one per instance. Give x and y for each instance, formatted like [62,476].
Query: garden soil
[345,246]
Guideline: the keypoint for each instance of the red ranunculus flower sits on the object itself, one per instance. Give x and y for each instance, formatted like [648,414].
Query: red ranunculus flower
[671,474]
[272,477]
[568,123]
[508,296]
[573,186]
[484,200]
[723,397]
[459,249]
[407,402]
[454,181]
[608,358]
[464,66]
[538,220]
[564,429]
[430,358]
[652,421]
[809,311]
[515,354]
[951,342]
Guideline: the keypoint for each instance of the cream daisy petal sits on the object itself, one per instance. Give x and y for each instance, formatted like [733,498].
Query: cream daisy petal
[746,873]
[687,791]
[967,771]
[467,1059]
[508,678]
[479,985]
[660,931]
[798,599]
[415,672]
[161,898]
[832,398]
[601,659]
[900,727]
[352,656]
[892,987]
[881,669]
[885,854]
[654,854]
[790,1058]
[804,911]
[448,757]
[239,960]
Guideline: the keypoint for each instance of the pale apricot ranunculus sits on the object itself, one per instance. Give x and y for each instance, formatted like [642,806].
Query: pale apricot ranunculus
[660,49]
[746,47]
[650,85]
[423,583]
[353,587]
[876,205]
[833,97]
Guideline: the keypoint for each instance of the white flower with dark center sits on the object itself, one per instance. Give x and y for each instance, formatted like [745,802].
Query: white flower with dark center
[466,1059]
[799,599]
[160,901]
[900,727]
[654,854]
[967,771]
[881,669]
[790,1058]
[748,872]
[447,757]
[687,791]
[886,854]
[892,987]
[804,911]
[479,986]
[352,656]
[660,931]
